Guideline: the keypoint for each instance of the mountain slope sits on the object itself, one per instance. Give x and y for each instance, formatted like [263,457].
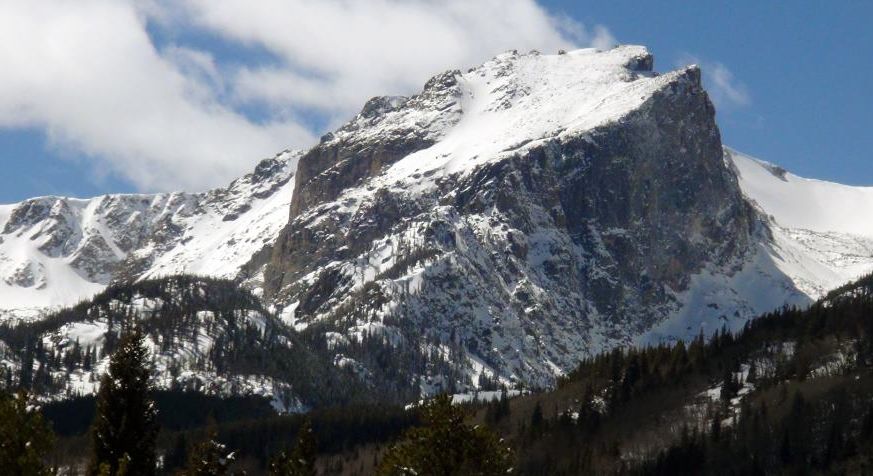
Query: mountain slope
[57,251]
[822,231]
[816,236]
[205,335]
[789,394]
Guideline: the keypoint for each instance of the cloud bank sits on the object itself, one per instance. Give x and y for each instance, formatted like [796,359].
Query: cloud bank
[121,83]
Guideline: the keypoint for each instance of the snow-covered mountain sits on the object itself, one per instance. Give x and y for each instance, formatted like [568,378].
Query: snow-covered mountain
[498,226]
[530,212]
[56,251]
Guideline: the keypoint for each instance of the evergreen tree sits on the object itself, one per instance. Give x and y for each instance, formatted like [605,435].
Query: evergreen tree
[125,427]
[503,405]
[753,372]
[715,427]
[25,378]
[498,409]
[445,446]
[25,437]
[300,461]
[730,385]
[177,456]
[209,458]
[867,423]
[537,420]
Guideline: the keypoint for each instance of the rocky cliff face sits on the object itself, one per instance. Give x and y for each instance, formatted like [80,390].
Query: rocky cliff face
[516,218]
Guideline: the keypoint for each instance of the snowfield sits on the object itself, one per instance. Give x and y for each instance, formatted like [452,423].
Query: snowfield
[822,231]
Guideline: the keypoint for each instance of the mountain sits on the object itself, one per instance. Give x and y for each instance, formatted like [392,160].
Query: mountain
[533,211]
[496,228]
[56,251]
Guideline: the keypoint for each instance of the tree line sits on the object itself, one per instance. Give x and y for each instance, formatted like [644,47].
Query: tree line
[124,433]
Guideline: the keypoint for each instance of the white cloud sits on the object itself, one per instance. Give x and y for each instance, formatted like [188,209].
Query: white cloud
[728,87]
[600,37]
[335,54]
[723,87]
[89,74]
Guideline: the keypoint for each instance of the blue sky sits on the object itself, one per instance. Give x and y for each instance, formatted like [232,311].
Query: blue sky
[122,96]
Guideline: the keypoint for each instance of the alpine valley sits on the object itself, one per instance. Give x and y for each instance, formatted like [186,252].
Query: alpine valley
[495,229]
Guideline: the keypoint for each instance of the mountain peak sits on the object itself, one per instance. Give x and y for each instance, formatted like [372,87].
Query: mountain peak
[459,121]
[536,207]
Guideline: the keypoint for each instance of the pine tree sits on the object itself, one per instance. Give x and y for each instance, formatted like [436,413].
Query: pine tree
[867,424]
[209,458]
[503,409]
[301,460]
[537,420]
[25,437]
[125,426]
[753,373]
[25,379]
[177,456]
[715,427]
[499,409]
[445,446]
[730,385]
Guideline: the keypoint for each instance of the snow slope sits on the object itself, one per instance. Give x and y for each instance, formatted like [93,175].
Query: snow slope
[57,251]
[34,274]
[822,231]
[816,237]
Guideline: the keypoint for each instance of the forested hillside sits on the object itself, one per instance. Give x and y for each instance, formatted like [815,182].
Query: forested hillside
[205,335]
[791,393]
